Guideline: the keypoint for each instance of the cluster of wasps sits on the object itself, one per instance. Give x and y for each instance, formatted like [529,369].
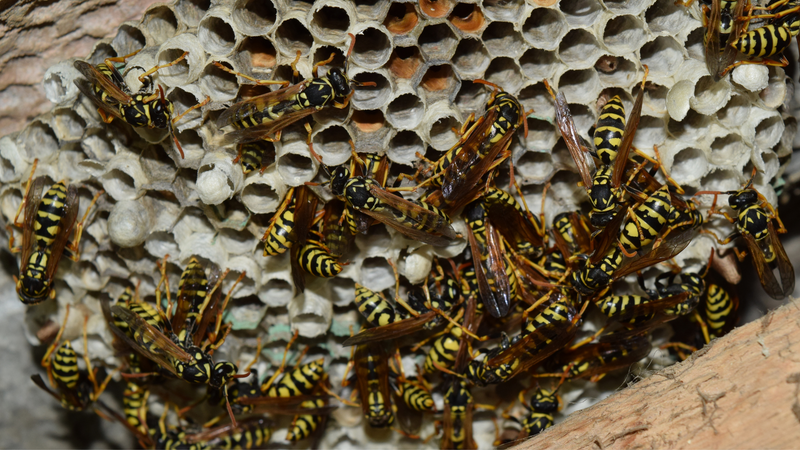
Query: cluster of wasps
[729,34]
[508,311]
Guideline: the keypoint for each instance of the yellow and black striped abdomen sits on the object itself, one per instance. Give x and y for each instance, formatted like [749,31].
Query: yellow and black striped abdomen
[376,309]
[443,351]
[609,130]
[650,218]
[52,207]
[305,424]
[280,234]
[65,366]
[765,41]
[536,422]
[192,289]
[415,397]
[251,435]
[300,381]
[247,118]
[615,305]
[718,309]
[134,405]
[315,260]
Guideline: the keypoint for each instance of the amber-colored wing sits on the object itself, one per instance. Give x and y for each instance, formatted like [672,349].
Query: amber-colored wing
[515,227]
[31,209]
[627,138]
[411,219]
[573,140]
[71,206]
[111,87]
[669,248]
[775,289]
[491,273]
[304,210]
[394,330]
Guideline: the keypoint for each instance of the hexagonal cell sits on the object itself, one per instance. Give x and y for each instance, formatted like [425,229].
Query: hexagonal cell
[404,146]
[103,50]
[472,97]
[330,22]
[581,13]
[504,9]
[536,97]
[191,11]
[255,17]
[291,36]
[634,7]
[688,165]
[332,144]
[692,128]
[68,125]
[538,64]
[219,84]
[401,18]
[579,85]
[584,118]
[405,61]
[128,40]
[372,97]
[769,131]
[371,9]
[440,79]
[541,135]
[579,49]
[183,99]
[501,39]
[710,96]
[694,44]
[727,150]
[436,8]
[667,17]
[368,121]
[468,18]
[663,56]
[405,111]
[438,126]
[534,166]
[187,70]
[437,41]
[505,73]
[544,28]
[325,52]
[624,34]
[294,163]
[471,58]
[372,48]
[721,180]
[216,33]
[651,131]
[733,114]
[615,71]
[258,53]
[39,139]
[160,24]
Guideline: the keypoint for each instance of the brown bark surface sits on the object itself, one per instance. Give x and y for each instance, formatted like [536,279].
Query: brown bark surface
[740,392]
[35,34]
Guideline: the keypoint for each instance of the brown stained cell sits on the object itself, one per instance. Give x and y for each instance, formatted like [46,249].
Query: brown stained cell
[401,19]
[606,64]
[435,8]
[467,18]
[437,78]
[48,331]
[405,62]
[368,121]
[262,53]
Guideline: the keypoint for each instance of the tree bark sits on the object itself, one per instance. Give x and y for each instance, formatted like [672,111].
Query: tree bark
[742,391]
[35,34]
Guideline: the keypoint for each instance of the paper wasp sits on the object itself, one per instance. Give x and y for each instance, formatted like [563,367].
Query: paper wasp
[411,398]
[145,108]
[611,352]
[438,296]
[75,390]
[372,377]
[771,39]
[754,223]
[603,186]
[265,116]
[250,433]
[256,155]
[418,221]
[723,28]
[46,227]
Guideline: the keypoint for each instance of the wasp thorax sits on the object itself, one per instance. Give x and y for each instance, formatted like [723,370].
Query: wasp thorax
[200,370]
[341,86]
[357,193]
[33,289]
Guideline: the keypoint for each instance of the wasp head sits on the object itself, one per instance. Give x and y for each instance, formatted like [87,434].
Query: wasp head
[339,82]
[743,199]
[339,179]
[222,373]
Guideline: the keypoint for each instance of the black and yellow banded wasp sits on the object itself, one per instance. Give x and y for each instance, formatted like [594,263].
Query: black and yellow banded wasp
[754,223]
[76,390]
[372,378]
[418,221]
[611,352]
[265,116]
[771,39]
[603,186]
[253,432]
[723,28]
[145,108]
[47,224]
[256,155]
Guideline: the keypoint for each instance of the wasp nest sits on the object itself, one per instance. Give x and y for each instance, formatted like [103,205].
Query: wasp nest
[422,58]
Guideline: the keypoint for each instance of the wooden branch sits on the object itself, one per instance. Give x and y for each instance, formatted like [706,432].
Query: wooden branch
[741,391]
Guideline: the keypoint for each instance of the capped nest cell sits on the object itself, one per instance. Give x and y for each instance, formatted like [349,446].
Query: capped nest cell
[422,58]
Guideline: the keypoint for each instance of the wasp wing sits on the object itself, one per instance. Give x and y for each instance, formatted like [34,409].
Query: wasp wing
[490,271]
[627,138]
[573,140]
[32,201]
[669,248]
[71,206]
[305,208]
[93,74]
[392,331]
[411,219]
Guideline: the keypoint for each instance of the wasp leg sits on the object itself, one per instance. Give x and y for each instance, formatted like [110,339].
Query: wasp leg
[72,251]
[25,196]
[265,387]
[162,66]
[46,363]
[249,78]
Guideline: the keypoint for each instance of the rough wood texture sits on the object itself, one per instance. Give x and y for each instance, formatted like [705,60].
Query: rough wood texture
[34,35]
[743,392]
